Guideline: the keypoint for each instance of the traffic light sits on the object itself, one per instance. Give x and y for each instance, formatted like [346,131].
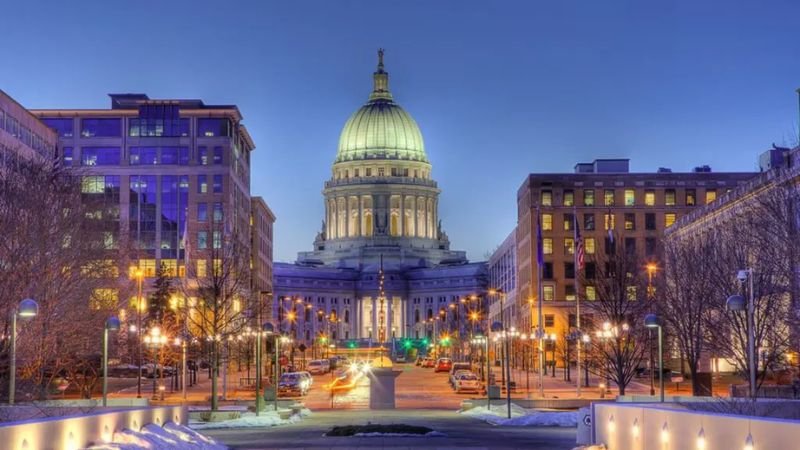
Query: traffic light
[407,343]
[351,344]
[425,342]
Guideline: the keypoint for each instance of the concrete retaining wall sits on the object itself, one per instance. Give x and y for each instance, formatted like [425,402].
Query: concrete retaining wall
[646,427]
[67,433]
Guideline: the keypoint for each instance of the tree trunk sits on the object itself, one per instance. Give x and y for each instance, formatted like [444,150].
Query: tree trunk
[693,371]
[214,375]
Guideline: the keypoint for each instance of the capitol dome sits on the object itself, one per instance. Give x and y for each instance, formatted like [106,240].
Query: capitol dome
[381,129]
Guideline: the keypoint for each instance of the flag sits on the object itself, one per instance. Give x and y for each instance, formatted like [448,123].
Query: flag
[185,245]
[579,251]
[539,244]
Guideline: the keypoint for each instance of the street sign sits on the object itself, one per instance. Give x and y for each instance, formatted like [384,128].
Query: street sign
[302,347]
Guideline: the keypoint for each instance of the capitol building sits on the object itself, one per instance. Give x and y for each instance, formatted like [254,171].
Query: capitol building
[381,267]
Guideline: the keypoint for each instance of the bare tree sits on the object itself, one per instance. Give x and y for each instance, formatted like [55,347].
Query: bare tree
[220,278]
[690,271]
[51,251]
[619,283]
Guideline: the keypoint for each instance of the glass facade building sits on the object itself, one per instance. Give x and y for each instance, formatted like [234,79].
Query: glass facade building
[165,166]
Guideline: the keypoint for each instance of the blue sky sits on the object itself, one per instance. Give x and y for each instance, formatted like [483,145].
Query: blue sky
[499,88]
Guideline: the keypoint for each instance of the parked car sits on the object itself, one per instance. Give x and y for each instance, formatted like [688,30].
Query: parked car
[400,359]
[443,365]
[307,376]
[318,367]
[456,367]
[468,382]
[292,384]
[418,361]
[428,363]
[454,376]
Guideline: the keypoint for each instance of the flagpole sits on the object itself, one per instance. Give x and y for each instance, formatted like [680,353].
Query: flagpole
[577,303]
[539,327]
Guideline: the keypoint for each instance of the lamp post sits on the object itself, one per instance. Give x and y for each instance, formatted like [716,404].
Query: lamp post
[154,339]
[483,341]
[138,274]
[497,327]
[651,321]
[737,302]
[651,269]
[266,330]
[112,324]
[27,309]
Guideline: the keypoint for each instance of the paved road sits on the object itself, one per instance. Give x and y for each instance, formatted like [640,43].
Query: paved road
[461,432]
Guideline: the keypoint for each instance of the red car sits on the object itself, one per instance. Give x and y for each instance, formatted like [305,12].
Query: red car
[443,365]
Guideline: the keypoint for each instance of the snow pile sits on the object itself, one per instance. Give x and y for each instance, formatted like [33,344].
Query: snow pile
[154,437]
[591,447]
[249,419]
[521,417]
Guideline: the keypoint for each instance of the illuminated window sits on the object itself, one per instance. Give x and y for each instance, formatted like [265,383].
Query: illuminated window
[609,222]
[591,293]
[548,294]
[569,292]
[631,293]
[691,197]
[669,197]
[711,195]
[588,197]
[569,197]
[217,212]
[547,198]
[547,222]
[217,267]
[650,197]
[169,266]
[630,221]
[569,220]
[202,155]
[608,197]
[569,246]
[547,246]
[630,197]
[201,268]
[148,266]
[669,219]
[202,184]
[549,320]
[589,246]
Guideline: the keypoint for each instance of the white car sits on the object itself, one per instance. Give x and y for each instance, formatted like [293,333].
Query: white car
[468,382]
[318,366]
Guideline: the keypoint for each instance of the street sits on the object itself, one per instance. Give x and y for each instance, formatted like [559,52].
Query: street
[460,432]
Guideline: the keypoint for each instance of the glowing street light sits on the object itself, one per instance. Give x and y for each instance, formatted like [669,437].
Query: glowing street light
[112,324]
[27,309]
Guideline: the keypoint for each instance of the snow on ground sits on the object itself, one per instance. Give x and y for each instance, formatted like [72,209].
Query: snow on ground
[153,437]
[521,417]
[249,419]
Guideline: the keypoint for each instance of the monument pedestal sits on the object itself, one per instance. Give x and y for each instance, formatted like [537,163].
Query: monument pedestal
[381,387]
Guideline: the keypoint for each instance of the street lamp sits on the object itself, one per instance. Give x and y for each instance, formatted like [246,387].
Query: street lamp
[497,327]
[266,330]
[154,339]
[651,270]
[651,321]
[737,302]
[27,309]
[112,324]
[138,274]
[483,340]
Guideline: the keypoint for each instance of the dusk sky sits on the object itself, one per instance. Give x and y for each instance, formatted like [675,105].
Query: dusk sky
[499,88]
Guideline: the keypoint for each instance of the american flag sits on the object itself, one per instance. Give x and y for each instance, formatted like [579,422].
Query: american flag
[579,250]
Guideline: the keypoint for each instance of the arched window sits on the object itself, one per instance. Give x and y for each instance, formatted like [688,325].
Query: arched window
[346,316]
[416,316]
[430,314]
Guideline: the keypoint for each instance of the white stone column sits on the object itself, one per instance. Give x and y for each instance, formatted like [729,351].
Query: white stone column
[402,218]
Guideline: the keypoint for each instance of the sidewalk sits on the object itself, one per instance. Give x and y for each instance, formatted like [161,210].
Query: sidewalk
[200,392]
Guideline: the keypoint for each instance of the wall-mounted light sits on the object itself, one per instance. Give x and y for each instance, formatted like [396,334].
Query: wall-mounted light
[701,439]
[611,425]
[748,443]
